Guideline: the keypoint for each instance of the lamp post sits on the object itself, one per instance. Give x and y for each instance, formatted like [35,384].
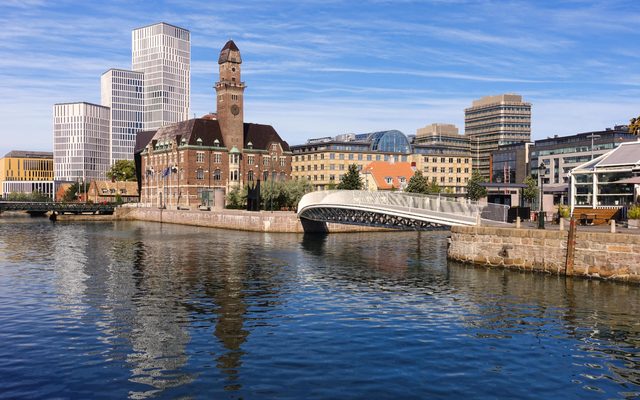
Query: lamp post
[541,171]
[592,136]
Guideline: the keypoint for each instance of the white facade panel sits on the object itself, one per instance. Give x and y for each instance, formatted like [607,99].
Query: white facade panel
[163,53]
[122,92]
[80,141]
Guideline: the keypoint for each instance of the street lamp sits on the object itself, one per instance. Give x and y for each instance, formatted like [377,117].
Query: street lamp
[592,136]
[541,171]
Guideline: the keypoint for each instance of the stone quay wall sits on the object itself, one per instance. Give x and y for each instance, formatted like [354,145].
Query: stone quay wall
[597,255]
[262,221]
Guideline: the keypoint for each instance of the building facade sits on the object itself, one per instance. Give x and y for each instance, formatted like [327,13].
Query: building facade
[561,154]
[80,141]
[324,161]
[163,53]
[26,172]
[510,163]
[450,168]
[122,92]
[493,121]
[188,163]
[609,180]
[442,135]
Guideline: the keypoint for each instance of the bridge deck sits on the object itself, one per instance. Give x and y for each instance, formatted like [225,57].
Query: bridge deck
[395,209]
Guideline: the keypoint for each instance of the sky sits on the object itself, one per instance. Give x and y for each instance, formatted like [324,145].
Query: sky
[320,68]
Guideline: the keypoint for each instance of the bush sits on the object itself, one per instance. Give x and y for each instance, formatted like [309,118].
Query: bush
[634,212]
[563,211]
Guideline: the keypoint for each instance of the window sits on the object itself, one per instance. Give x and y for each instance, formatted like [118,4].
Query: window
[217,158]
[332,156]
[359,157]
[250,160]
[350,156]
[442,170]
[283,161]
[217,175]
[265,161]
[368,157]
[341,156]
[200,174]
[388,179]
[265,175]
[274,147]
[199,157]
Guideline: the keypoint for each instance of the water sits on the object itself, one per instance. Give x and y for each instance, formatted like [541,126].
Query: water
[142,310]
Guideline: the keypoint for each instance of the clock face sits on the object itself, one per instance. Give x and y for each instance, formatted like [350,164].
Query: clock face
[235,110]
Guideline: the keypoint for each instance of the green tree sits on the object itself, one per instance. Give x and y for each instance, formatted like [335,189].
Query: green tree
[122,170]
[351,180]
[237,198]
[474,190]
[634,126]
[294,190]
[72,192]
[530,193]
[417,184]
[434,188]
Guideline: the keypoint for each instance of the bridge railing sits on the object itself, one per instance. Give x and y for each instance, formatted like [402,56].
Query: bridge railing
[417,203]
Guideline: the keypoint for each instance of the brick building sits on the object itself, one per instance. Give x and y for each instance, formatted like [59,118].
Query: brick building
[183,164]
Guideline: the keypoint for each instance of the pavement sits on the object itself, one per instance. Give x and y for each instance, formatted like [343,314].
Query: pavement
[604,228]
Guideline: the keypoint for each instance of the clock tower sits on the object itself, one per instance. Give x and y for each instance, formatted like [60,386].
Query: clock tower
[230,93]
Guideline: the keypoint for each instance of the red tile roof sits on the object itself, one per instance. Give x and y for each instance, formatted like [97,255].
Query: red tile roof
[381,170]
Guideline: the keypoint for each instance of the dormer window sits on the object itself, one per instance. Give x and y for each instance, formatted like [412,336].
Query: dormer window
[216,143]
[199,141]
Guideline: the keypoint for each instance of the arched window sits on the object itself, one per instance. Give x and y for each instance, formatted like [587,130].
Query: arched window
[217,175]
[250,176]
[283,176]
[265,175]
[199,173]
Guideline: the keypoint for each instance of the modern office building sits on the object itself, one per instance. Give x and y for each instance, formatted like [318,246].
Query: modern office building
[493,121]
[163,53]
[188,163]
[561,154]
[324,161]
[122,91]
[26,172]
[442,135]
[510,163]
[80,141]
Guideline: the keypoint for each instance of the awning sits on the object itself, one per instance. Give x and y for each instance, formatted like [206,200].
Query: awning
[633,179]
[551,188]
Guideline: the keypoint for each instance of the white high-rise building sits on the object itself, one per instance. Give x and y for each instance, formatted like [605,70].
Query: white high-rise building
[163,53]
[80,141]
[121,91]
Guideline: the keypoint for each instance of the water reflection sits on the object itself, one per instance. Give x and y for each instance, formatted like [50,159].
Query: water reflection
[175,312]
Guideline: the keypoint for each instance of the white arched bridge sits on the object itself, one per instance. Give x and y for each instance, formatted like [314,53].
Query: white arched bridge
[396,209]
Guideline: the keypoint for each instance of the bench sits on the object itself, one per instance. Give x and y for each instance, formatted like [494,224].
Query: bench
[595,216]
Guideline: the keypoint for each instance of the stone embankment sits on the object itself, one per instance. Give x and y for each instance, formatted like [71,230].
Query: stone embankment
[597,254]
[263,221]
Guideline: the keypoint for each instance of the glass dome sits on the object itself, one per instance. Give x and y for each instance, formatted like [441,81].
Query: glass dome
[392,141]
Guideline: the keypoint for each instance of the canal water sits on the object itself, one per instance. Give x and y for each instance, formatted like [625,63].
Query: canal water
[144,310]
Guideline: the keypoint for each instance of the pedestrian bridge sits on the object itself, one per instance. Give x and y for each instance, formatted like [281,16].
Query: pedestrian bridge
[396,209]
[60,208]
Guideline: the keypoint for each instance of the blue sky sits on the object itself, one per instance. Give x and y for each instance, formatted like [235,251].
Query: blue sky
[322,67]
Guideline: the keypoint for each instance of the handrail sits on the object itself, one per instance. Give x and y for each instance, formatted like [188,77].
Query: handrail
[418,204]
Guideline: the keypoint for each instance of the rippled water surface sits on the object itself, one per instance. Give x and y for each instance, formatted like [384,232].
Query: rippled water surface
[142,310]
